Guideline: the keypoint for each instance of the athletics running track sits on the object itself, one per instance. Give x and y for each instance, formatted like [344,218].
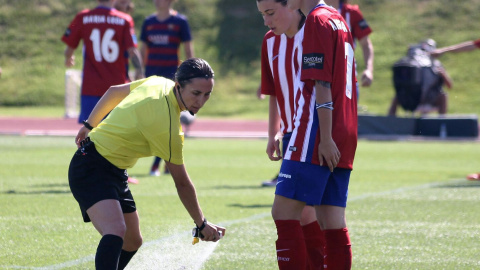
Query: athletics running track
[201,127]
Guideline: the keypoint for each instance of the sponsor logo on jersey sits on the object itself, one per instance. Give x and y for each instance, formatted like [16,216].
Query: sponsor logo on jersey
[158,39]
[284,175]
[312,60]
[285,259]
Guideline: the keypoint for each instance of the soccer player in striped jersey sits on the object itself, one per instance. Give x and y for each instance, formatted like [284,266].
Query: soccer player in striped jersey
[360,32]
[319,157]
[162,34]
[281,63]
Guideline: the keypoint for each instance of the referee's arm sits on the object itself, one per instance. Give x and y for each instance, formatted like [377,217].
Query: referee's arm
[114,95]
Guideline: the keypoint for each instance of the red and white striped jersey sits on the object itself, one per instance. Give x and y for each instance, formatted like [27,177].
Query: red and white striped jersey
[355,21]
[327,56]
[281,64]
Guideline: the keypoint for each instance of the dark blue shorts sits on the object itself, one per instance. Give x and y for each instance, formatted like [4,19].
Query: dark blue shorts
[87,103]
[92,179]
[313,184]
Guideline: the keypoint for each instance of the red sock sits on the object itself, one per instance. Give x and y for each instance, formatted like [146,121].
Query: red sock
[338,250]
[315,243]
[291,251]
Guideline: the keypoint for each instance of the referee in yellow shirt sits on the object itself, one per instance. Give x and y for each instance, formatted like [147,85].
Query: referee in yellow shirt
[143,120]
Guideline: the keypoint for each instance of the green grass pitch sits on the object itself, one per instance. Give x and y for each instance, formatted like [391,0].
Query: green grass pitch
[409,207]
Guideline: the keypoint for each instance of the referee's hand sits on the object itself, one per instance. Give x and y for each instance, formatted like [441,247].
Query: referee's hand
[82,134]
[212,232]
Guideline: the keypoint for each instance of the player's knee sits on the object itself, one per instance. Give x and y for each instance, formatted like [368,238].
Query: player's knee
[136,242]
[118,229]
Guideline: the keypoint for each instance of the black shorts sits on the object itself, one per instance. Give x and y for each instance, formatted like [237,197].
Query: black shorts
[92,178]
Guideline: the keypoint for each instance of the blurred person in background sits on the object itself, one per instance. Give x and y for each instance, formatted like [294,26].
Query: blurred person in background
[162,34]
[433,77]
[460,47]
[108,36]
[360,31]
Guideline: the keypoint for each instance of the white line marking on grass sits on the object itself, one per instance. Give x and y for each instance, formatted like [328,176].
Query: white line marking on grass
[171,252]
[177,252]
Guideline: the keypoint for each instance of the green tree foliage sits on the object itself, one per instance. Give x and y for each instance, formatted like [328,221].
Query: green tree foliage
[240,34]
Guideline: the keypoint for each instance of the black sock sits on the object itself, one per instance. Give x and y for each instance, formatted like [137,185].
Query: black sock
[125,257]
[108,252]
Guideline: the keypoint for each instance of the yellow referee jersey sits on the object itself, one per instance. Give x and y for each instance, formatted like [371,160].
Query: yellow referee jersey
[146,123]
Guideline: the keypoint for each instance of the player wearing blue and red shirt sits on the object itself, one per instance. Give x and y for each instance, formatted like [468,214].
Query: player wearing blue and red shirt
[161,36]
[106,34]
[162,39]
[319,157]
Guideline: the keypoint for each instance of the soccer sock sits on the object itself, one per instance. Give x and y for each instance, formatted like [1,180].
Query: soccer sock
[291,251]
[315,244]
[108,252]
[338,249]
[125,257]
[156,163]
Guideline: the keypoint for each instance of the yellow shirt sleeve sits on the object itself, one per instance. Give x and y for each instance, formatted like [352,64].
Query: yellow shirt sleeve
[146,123]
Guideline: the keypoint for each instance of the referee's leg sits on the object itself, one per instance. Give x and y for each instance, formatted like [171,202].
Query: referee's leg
[132,240]
[107,217]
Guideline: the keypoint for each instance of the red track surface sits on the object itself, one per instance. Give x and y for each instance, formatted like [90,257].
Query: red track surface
[69,127]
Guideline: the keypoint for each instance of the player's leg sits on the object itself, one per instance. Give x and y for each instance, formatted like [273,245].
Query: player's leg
[331,216]
[291,252]
[298,184]
[87,103]
[392,111]
[442,103]
[107,217]
[132,240]
[314,238]
[154,170]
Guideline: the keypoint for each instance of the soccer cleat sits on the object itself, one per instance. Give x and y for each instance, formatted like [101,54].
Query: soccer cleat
[132,180]
[155,173]
[473,177]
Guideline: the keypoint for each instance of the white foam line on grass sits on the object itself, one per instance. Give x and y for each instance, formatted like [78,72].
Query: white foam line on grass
[179,252]
[176,250]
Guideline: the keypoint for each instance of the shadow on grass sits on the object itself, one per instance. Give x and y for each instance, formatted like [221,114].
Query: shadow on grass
[36,192]
[238,205]
[238,187]
[53,188]
[463,184]
[50,185]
